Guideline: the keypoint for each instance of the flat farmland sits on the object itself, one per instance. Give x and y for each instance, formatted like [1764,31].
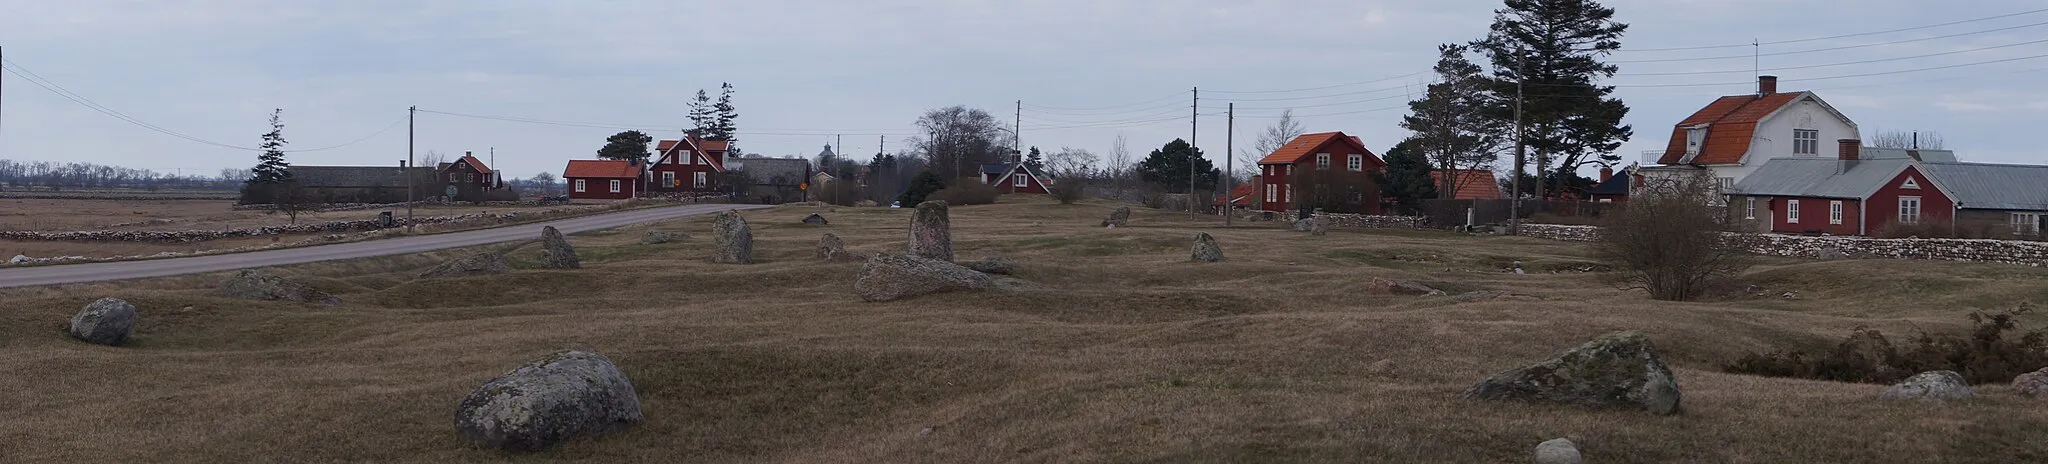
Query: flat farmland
[67,215]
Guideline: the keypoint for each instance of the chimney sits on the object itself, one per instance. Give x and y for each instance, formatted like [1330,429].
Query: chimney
[1849,149]
[1606,173]
[466,153]
[1766,85]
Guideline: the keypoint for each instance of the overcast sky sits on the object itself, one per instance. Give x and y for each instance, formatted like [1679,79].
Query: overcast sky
[213,69]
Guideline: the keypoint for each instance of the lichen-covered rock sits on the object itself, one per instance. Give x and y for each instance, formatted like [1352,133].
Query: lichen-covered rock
[1304,224]
[251,284]
[555,252]
[994,265]
[1398,287]
[20,259]
[1932,385]
[1119,217]
[816,219]
[1206,250]
[1558,451]
[832,248]
[889,277]
[1618,370]
[1318,226]
[656,237]
[732,240]
[2033,384]
[931,231]
[561,396]
[486,263]
[108,321]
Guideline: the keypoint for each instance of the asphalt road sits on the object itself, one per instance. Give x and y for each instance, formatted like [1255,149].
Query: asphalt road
[95,272]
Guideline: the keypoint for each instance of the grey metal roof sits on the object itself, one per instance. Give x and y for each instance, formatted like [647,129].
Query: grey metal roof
[1991,186]
[354,176]
[1931,156]
[777,171]
[1615,185]
[1819,177]
[995,168]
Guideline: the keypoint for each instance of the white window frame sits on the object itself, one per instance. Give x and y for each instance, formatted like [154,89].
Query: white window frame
[1792,211]
[1355,162]
[1913,218]
[579,186]
[1835,212]
[615,186]
[699,179]
[1750,212]
[1290,194]
[2026,223]
[689,157]
[1909,184]
[1805,142]
[1694,136]
[1022,181]
[1322,161]
[668,178]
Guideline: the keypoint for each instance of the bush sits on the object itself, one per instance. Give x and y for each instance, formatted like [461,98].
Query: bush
[1071,190]
[967,192]
[1671,242]
[1989,355]
[921,186]
[842,193]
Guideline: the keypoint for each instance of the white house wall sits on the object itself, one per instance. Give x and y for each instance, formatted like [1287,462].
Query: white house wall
[1773,137]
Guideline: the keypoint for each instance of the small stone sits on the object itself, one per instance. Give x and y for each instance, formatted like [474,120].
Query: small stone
[994,265]
[1617,370]
[109,321]
[831,248]
[1933,386]
[1303,225]
[890,277]
[921,434]
[1119,217]
[20,259]
[555,251]
[1558,451]
[656,237]
[931,231]
[1318,226]
[816,219]
[548,401]
[2033,384]
[486,263]
[1206,250]
[1789,296]
[251,284]
[1385,286]
[1756,289]
[732,240]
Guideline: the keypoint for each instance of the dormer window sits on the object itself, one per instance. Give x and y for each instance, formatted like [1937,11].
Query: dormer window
[1694,137]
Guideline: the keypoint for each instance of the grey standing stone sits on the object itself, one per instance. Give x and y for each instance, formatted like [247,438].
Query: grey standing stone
[733,241]
[816,219]
[555,251]
[251,284]
[994,265]
[1558,451]
[2033,384]
[1617,370]
[890,277]
[539,405]
[1931,385]
[1119,217]
[1206,250]
[486,263]
[832,248]
[109,321]
[931,231]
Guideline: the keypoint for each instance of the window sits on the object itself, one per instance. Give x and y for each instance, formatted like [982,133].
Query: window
[1290,194]
[1835,212]
[668,179]
[452,177]
[698,180]
[1726,183]
[1750,212]
[1355,162]
[615,186]
[1322,161]
[1910,184]
[579,185]
[1805,142]
[1792,211]
[1909,210]
[1271,191]
[1694,136]
[2026,223]
[1022,181]
[687,157]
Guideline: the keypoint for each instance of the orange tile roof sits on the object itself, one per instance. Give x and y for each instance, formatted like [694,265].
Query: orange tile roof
[1731,124]
[1473,184]
[713,145]
[1241,192]
[665,145]
[601,168]
[478,164]
[1301,146]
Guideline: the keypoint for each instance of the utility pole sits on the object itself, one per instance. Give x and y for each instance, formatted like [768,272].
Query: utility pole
[1017,133]
[1229,171]
[1194,127]
[1515,216]
[496,176]
[411,113]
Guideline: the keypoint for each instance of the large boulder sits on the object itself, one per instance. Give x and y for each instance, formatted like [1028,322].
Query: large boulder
[889,277]
[251,284]
[560,396]
[1397,287]
[732,240]
[1618,370]
[994,265]
[1206,250]
[1304,224]
[2033,384]
[931,231]
[555,252]
[832,248]
[1558,451]
[1318,225]
[816,219]
[109,321]
[1931,385]
[1119,217]
[20,259]
[486,263]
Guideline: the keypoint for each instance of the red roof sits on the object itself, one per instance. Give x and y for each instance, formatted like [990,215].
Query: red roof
[665,145]
[1241,194]
[1298,149]
[1731,124]
[1473,184]
[474,163]
[713,145]
[601,169]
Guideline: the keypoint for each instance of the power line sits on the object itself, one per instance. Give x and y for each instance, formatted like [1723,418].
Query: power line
[1844,36]
[39,81]
[1828,49]
[1845,76]
[1828,65]
[1175,95]
[1326,87]
[1154,114]
[664,128]
[1156,107]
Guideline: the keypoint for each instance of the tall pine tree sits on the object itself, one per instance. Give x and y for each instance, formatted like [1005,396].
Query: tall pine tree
[1168,167]
[1406,181]
[1035,160]
[1450,129]
[1554,48]
[271,167]
[723,115]
[702,114]
[629,146]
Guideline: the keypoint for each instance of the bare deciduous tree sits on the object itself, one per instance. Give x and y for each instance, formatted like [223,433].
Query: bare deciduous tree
[1071,162]
[1916,140]
[1276,136]
[1671,243]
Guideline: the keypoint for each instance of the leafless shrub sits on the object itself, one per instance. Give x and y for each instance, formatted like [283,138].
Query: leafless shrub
[1671,242]
[1070,190]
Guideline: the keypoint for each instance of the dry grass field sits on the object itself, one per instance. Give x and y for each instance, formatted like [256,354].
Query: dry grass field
[1122,352]
[52,215]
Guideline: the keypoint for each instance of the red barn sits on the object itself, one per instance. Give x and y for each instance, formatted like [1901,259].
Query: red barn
[1325,169]
[602,179]
[687,165]
[468,178]
[1015,178]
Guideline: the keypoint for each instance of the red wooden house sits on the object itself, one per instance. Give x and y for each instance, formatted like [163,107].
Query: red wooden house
[603,179]
[687,165]
[1330,166]
[1015,178]
[468,178]
[1853,196]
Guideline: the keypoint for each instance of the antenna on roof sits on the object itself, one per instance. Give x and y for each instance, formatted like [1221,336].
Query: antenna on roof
[1756,63]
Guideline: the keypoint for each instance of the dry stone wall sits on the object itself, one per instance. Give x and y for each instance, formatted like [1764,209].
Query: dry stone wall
[2021,252]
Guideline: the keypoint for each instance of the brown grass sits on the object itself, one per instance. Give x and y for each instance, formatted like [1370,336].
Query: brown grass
[1124,352]
[173,215]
